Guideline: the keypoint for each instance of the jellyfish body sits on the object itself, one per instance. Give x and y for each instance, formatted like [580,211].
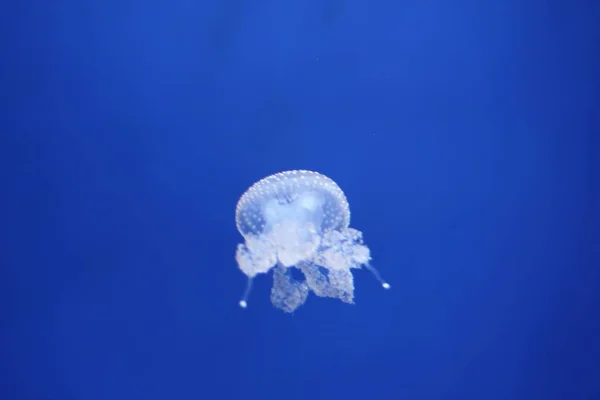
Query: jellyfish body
[299,219]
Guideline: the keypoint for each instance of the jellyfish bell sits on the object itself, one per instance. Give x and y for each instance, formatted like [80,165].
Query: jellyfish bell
[299,219]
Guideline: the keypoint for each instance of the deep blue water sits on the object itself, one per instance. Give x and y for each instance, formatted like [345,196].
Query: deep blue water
[465,135]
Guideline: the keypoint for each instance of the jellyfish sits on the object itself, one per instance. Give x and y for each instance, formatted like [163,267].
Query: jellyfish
[299,220]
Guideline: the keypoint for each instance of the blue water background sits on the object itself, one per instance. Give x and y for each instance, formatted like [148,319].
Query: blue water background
[464,133]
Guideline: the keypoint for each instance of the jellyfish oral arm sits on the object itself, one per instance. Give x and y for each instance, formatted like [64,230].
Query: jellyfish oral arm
[254,257]
[377,276]
[244,301]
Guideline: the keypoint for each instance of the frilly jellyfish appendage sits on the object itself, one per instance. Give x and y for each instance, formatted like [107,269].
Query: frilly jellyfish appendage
[300,219]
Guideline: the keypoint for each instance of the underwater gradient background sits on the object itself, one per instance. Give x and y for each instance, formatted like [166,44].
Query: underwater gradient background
[464,133]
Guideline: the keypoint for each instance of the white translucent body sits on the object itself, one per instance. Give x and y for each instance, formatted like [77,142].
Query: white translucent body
[299,219]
